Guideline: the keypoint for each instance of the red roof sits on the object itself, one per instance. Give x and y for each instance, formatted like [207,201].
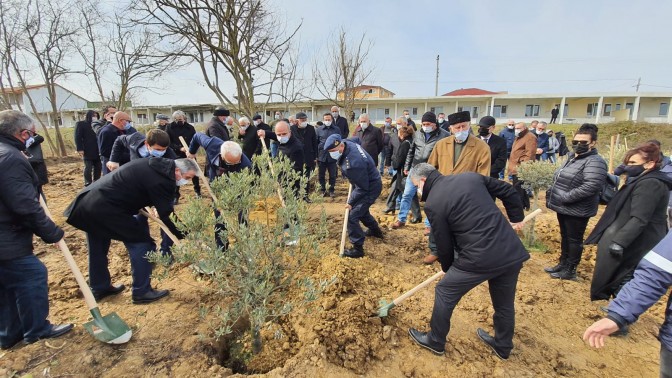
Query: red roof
[470,92]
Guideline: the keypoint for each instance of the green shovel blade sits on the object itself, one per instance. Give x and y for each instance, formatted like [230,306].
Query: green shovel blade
[385,308]
[110,329]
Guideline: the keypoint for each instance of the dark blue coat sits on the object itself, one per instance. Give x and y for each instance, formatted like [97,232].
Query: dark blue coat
[510,136]
[342,125]
[542,142]
[323,132]
[213,149]
[358,167]
[653,278]
[128,146]
[21,215]
[106,137]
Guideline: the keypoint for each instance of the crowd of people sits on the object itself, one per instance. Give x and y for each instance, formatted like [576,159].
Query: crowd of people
[456,172]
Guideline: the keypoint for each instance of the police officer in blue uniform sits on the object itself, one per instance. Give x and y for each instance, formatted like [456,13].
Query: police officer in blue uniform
[358,167]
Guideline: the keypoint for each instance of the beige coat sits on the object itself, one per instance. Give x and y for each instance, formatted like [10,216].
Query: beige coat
[523,149]
[475,157]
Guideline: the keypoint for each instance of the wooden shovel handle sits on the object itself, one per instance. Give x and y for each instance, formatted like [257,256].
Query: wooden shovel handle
[83,286]
[345,224]
[204,179]
[146,212]
[270,166]
[531,215]
[414,290]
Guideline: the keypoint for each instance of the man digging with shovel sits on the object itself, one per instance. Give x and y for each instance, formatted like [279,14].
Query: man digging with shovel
[467,223]
[358,167]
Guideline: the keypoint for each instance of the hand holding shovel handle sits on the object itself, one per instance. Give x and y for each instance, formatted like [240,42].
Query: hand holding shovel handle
[146,212]
[204,179]
[270,166]
[345,224]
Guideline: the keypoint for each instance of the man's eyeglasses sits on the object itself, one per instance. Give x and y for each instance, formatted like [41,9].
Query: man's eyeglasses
[31,132]
[581,142]
[510,124]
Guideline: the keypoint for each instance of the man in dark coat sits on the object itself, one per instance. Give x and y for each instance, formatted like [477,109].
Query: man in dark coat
[181,128]
[325,162]
[86,144]
[258,122]
[467,223]
[340,122]
[217,126]
[137,146]
[121,125]
[24,300]
[358,167]
[108,115]
[306,134]
[289,145]
[370,136]
[36,159]
[554,114]
[108,209]
[409,121]
[497,144]
[163,121]
[509,135]
[248,135]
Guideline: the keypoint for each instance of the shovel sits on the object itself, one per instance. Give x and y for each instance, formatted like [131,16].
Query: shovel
[386,306]
[345,225]
[147,213]
[110,329]
[204,179]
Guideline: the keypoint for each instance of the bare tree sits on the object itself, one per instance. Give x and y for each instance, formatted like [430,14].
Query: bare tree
[94,54]
[50,35]
[231,40]
[342,70]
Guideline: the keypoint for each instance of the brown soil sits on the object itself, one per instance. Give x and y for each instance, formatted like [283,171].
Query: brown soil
[337,338]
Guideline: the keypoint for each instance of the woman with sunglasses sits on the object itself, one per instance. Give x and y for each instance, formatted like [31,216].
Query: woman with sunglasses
[632,224]
[574,196]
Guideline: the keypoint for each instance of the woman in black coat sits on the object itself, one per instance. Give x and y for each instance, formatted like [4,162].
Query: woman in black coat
[405,134]
[634,222]
[574,196]
[87,147]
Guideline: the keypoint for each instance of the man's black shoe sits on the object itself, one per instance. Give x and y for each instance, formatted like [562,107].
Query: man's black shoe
[332,194]
[10,345]
[113,290]
[55,331]
[150,296]
[325,194]
[416,220]
[374,233]
[422,339]
[355,252]
[490,341]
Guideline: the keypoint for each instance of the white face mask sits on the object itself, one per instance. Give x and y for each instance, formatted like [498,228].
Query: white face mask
[510,127]
[244,127]
[517,132]
[182,182]
[363,125]
[427,129]
[335,154]
[334,114]
[283,139]
[407,116]
[327,123]
[441,119]
[277,116]
[257,122]
[303,124]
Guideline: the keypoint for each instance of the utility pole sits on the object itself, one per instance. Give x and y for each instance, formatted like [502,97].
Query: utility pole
[639,82]
[436,83]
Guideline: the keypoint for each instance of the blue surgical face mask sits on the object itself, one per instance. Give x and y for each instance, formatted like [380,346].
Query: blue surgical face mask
[335,154]
[128,125]
[283,139]
[30,141]
[157,153]
[461,136]
[182,181]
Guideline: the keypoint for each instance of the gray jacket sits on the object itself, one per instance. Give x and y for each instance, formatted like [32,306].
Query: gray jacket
[577,186]
[421,147]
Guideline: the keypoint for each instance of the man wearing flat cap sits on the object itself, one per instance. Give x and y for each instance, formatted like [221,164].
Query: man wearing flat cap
[217,126]
[358,167]
[162,121]
[307,135]
[497,144]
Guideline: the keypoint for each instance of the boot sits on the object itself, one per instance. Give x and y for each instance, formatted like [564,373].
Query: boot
[567,273]
[355,252]
[555,269]
[377,233]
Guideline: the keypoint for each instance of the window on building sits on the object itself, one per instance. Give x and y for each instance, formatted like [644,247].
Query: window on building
[618,107]
[500,111]
[532,110]
[591,110]
[607,110]
[387,111]
[664,108]
[142,118]
[414,111]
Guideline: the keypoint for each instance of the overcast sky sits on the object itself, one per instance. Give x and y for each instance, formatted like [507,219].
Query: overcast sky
[550,46]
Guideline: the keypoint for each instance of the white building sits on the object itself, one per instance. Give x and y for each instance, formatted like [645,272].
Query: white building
[66,103]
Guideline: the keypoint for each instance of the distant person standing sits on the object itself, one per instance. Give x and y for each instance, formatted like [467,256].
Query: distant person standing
[87,147]
[542,141]
[341,122]
[162,121]
[409,121]
[554,114]
[217,125]
[497,145]
[181,128]
[259,123]
[509,134]
[370,136]
[553,147]
[121,125]
[325,162]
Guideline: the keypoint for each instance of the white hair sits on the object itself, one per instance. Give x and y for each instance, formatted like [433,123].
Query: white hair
[244,120]
[179,113]
[232,148]
[365,115]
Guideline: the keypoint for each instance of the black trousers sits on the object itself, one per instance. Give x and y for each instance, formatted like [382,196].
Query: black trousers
[307,171]
[518,185]
[571,238]
[456,283]
[92,169]
[322,169]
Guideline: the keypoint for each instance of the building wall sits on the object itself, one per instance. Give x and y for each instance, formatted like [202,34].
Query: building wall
[65,100]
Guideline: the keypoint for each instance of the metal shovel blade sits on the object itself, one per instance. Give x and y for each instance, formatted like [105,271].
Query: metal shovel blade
[110,329]
[385,308]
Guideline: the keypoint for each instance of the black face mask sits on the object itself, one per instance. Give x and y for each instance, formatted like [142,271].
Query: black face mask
[634,170]
[483,131]
[580,148]
[180,123]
